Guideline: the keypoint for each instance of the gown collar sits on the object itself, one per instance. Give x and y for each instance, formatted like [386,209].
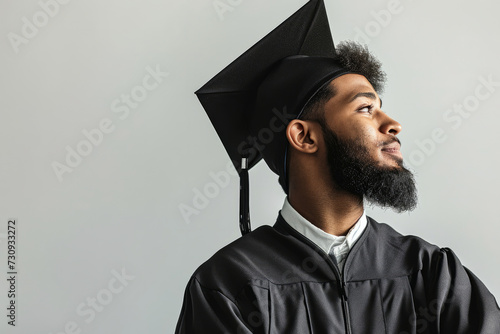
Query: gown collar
[327,242]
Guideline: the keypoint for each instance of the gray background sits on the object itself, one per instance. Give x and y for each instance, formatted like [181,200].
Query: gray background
[119,209]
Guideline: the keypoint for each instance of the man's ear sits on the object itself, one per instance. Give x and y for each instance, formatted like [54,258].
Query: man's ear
[303,136]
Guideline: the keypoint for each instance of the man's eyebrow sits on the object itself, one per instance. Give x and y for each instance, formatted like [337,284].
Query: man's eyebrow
[369,95]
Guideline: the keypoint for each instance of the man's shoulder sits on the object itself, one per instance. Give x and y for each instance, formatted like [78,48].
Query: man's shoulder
[410,251]
[240,251]
[389,234]
[238,261]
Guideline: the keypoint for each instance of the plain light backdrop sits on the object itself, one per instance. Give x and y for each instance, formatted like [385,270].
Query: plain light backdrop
[118,210]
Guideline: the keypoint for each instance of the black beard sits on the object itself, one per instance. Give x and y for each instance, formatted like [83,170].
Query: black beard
[353,170]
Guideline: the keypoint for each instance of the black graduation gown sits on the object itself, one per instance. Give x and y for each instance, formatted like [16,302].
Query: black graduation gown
[274,280]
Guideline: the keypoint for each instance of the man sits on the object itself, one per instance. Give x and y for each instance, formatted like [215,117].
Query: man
[314,114]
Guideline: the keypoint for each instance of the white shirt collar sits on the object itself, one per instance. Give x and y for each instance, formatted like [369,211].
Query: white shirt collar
[324,240]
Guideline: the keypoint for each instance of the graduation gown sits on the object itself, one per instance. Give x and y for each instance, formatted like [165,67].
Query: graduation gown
[274,280]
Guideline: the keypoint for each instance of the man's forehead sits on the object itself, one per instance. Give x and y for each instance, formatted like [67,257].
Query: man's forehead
[351,86]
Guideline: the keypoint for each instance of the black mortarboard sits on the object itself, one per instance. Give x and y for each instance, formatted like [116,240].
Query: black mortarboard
[251,101]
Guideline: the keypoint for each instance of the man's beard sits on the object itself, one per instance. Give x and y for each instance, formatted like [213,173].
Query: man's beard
[353,170]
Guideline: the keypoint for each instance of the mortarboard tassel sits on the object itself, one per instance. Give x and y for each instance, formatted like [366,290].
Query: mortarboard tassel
[244,198]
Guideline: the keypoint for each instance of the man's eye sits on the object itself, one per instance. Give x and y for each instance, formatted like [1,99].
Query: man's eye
[367,109]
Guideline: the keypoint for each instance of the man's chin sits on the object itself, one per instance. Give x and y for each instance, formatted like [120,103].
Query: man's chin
[392,163]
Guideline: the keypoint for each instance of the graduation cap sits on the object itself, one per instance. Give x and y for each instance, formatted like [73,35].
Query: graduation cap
[252,100]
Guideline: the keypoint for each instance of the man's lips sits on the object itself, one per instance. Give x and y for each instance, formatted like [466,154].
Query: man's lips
[393,149]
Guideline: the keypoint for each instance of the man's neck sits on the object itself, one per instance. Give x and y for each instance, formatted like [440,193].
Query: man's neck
[333,213]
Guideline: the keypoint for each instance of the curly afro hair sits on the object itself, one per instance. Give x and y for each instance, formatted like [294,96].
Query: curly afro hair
[356,58]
